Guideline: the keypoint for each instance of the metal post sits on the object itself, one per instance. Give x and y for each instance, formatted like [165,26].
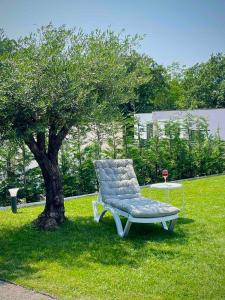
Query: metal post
[14,204]
[13,193]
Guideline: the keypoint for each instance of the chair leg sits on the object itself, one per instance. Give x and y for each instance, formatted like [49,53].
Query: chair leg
[172,224]
[97,216]
[127,228]
[119,227]
[118,222]
[164,225]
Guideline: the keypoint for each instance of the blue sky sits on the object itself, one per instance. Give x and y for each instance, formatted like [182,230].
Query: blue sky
[184,31]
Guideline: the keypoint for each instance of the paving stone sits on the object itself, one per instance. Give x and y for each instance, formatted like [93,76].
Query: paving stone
[10,291]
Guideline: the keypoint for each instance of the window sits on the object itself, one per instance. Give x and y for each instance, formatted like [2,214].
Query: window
[149,130]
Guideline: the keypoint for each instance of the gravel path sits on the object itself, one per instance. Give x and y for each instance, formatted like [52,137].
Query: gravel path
[10,291]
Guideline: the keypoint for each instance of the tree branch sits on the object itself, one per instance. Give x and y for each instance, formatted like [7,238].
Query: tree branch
[39,154]
[32,144]
[56,139]
[41,141]
[63,132]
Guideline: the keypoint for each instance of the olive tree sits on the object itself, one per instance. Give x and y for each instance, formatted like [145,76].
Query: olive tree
[54,80]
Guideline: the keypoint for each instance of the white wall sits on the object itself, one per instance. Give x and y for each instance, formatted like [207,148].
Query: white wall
[215,117]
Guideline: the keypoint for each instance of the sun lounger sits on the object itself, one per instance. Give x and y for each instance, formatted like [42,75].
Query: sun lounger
[120,194]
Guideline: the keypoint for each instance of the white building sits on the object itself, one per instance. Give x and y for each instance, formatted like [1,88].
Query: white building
[214,117]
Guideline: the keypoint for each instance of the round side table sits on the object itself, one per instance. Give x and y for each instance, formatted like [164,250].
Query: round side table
[167,186]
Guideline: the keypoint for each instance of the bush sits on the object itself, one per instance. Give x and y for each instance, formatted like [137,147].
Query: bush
[186,150]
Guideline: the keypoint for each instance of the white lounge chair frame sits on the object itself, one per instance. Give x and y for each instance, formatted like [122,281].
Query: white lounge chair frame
[122,232]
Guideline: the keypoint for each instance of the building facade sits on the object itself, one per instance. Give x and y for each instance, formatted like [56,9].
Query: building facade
[214,117]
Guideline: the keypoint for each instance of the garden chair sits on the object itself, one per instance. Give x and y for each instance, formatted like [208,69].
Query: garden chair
[119,193]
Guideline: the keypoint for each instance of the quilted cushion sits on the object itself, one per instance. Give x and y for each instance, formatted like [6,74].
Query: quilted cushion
[117,178]
[144,207]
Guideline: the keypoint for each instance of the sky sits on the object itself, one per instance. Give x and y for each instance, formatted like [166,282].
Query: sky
[184,31]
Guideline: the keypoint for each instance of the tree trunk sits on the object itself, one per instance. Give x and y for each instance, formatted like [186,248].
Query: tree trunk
[24,168]
[47,158]
[54,212]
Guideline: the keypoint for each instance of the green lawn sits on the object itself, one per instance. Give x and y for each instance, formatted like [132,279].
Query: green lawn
[86,260]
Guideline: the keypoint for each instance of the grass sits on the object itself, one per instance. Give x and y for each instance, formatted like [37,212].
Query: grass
[86,260]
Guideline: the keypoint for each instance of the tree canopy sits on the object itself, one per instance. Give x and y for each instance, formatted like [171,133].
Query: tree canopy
[204,83]
[59,76]
[199,86]
[6,45]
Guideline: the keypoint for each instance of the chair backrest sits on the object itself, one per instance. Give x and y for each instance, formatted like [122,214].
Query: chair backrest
[117,179]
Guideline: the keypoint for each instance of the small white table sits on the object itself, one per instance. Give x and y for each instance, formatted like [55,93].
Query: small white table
[167,186]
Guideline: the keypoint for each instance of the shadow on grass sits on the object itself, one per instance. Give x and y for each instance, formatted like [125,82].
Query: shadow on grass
[185,221]
[79,243]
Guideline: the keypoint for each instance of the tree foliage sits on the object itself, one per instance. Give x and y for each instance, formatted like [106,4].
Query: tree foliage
[6,45]
[204,84]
